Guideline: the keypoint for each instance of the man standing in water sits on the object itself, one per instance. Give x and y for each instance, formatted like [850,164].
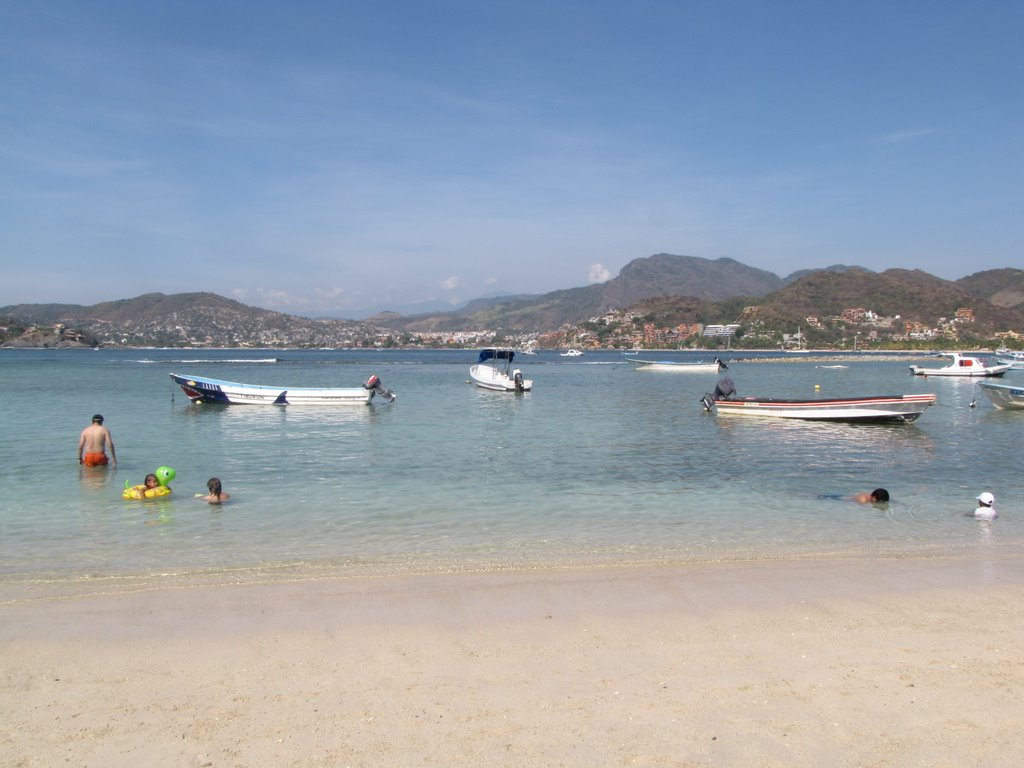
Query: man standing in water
[93,441]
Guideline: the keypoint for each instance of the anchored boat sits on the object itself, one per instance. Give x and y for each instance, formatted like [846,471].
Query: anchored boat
[962,365]
[205,390]
[870,409]
[499,376]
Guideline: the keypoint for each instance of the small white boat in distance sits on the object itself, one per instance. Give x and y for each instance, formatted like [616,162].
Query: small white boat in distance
[962,365]
[676,366]
[204,390]
[1004,396]
[500,378]
[870,409]
[1013,359]
[572,353]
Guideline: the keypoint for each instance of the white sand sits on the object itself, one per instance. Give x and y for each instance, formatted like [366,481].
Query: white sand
[823,663]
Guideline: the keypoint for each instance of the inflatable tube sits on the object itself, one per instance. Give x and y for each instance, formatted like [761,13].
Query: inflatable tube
[139,492]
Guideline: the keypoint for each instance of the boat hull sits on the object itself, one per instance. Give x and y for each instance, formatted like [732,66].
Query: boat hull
[1004,396]
[200,389]
[674,367]
[896,408]
[489,377]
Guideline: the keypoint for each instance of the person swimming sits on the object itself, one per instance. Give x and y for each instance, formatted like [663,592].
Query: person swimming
[877,496]
[216,493]
[986,509]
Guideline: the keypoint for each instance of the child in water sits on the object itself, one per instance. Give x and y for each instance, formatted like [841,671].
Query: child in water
[216,494]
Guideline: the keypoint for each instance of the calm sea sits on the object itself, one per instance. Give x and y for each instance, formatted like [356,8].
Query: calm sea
[601,463]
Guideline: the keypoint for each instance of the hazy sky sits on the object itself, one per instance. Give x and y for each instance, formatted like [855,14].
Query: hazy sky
[328,157]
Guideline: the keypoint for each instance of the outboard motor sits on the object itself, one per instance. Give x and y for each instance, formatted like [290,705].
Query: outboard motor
[517,377]
[721,364]
[374,384]
[724,390]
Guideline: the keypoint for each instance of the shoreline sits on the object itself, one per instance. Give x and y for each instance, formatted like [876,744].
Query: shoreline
[844,662]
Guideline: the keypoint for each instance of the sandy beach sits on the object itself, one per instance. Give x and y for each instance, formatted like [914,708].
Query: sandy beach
[791,663]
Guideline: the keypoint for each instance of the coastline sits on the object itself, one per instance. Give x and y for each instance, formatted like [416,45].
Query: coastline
[880,661]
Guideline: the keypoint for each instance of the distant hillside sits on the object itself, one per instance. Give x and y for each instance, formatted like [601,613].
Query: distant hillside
[914,295]
[1001,287]
[659,275]
[834,268]
[189,319]
[665,289]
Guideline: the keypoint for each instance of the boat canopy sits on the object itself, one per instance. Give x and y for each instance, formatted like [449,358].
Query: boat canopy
[496,354]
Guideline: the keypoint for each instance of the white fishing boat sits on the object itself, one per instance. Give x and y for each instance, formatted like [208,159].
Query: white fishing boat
[572,353]
[962,365]
[201,389]
[499,375]
[868,409]
[1004,396]
[678,366]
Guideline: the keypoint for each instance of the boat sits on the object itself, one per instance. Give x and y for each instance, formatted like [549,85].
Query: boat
[868,409]
[1004,396]
[201,389]
[801,344]
[572,353]
[677,366]
[1011,358]
[501,378]
[962,365]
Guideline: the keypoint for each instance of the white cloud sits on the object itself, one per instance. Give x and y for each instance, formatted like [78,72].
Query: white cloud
[598,274]
[450,283]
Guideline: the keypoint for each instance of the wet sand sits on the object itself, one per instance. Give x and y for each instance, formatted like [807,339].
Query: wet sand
[859,662]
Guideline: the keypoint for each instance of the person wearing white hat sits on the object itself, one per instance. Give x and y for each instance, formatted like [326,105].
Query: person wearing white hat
[986,507]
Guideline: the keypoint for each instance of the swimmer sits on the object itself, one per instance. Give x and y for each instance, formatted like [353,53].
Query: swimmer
[877,496]
[986,509]
[93,442]
[216,495]
[151,488]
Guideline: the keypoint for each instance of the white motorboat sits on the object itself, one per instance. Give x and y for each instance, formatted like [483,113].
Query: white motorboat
[677,366]
[868,409]
[498,377]
[962,365]
[572,353]
[1004,396]
[201,389]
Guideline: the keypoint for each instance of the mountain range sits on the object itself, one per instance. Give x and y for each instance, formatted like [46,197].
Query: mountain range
[717,291]
[669,289]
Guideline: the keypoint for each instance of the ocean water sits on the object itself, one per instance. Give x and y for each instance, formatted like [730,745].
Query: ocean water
[600,464]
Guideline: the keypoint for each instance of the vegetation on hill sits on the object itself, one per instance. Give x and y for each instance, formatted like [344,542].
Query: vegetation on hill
[663,290]
[1000,287]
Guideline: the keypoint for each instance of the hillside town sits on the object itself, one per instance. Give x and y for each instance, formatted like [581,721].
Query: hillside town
[854,328]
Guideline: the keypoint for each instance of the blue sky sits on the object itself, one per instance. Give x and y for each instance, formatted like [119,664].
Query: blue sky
[336,157]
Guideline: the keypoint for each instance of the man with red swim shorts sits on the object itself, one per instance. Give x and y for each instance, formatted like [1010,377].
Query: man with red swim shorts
[93,442]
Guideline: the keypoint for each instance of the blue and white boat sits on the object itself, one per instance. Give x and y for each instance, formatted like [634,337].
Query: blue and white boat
[201,389]
[498,377]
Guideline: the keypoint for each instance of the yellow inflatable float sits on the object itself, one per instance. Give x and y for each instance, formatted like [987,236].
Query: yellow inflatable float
[156,485]
[139,492]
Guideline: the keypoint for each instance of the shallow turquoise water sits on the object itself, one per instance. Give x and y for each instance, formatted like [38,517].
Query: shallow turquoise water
[600,463]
